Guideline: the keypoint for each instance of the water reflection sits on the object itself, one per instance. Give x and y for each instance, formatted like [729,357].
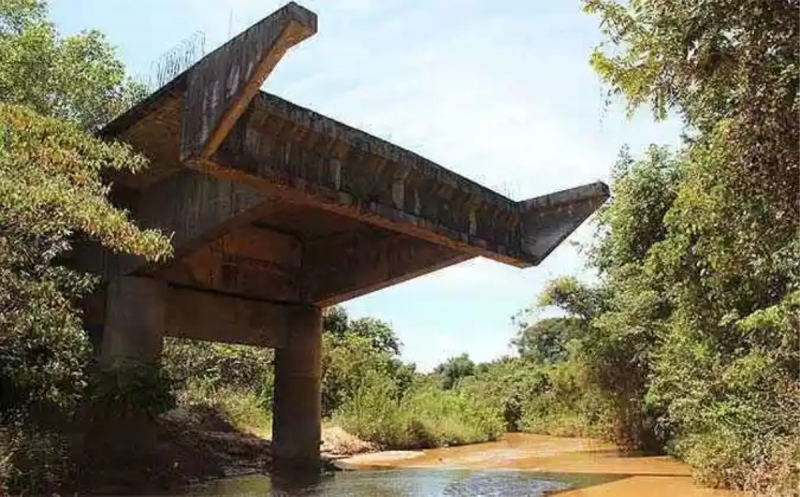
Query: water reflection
[390,483]
[519,464]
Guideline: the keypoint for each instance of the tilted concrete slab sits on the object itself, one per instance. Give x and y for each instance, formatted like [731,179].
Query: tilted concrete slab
[268,200]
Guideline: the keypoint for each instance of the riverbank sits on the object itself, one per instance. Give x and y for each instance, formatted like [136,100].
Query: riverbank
[196,449]
[239,450]
[178,449]
[591,467]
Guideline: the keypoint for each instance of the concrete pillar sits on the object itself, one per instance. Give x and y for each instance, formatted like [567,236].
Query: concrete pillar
[134,320]
[297,410]
[94,318]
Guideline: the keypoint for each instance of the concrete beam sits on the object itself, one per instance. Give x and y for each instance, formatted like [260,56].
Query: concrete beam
[307,158]
[350,266]
[250,262]
[222,84]
[140,311]
[191,208]
[548,220]
[219,318]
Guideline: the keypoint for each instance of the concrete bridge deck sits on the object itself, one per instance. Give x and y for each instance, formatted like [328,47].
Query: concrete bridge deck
[276,211]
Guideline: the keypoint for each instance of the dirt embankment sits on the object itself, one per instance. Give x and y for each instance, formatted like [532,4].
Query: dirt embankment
[186,446]
[337,443]
[181,447]
[237,452]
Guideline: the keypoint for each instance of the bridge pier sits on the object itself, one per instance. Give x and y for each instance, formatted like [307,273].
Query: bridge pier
[134,320]
[140,311]
[297,408]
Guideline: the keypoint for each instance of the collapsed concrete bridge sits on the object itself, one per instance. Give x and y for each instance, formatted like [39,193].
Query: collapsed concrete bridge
[276,212]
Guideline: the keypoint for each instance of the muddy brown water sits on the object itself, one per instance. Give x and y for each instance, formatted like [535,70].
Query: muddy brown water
[519,464]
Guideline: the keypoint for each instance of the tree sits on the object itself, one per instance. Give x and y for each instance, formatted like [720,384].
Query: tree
[350,360]
[380,335]
[51,193]
[698,250]
[455,369]
[355,351]
[730,69]
[335,321]
[545,341]
[77,78]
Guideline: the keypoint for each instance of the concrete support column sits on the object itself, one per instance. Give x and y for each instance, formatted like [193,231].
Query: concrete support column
[134,320]
[297,413]
[94,318]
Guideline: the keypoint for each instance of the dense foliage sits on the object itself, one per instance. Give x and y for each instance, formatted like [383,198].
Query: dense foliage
[454,370]
[77,78]
[692,333]
[355,349]
[50,193]
[423,416]
[52,90]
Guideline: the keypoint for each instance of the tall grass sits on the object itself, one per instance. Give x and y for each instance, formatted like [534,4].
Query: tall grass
[588,415]
[423,417]
[242,408]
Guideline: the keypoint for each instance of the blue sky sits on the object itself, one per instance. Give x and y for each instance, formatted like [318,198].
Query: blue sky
[500,92]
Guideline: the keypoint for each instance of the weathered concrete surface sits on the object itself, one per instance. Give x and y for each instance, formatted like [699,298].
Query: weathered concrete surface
[137,312]
[209,316]
[373,261]
[221,85]
[274,152]
[254,263]
[549,219]
[297,407]
[134,320]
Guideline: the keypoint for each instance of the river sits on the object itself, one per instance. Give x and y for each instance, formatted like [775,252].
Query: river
[519,464]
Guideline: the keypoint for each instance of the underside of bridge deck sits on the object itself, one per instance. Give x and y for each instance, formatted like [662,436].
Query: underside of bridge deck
[276,211]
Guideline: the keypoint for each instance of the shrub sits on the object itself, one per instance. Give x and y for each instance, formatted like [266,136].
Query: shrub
[34,461]
[242,408]
[42,372]
[218,364]
[234,380]
[348,359]
[130,389]
[425,416]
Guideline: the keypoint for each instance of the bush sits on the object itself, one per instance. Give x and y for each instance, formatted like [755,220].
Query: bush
[776,468]
[219,365]
[349,358]
[34,462]
[424,417]
[130,389]
[42,372]
[243,409]
[567,405]
[233,380]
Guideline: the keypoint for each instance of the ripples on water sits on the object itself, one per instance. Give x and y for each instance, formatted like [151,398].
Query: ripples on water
[392,483]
